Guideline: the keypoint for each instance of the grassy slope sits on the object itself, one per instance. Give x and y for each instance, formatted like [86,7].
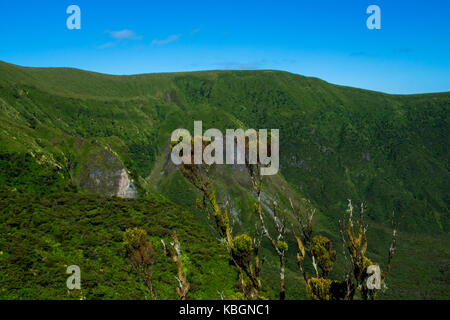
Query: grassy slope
[336,143]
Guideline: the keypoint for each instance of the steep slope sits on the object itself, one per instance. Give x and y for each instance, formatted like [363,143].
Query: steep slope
[57,127]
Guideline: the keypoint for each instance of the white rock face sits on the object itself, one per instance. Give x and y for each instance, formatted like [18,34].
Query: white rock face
[126,188]
[105,174]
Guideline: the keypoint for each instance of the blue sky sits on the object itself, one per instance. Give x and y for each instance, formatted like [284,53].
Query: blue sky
[325,39]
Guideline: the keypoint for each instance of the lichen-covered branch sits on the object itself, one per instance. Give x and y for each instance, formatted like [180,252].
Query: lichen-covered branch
[241,249]
[280,245]
[174,252]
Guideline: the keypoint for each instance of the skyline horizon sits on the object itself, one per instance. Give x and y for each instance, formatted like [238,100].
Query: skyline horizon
[224,70]
[408,52]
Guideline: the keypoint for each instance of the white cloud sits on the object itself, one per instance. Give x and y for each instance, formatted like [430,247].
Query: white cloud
[170,39]
[195,31]
[107,45]
[125,35]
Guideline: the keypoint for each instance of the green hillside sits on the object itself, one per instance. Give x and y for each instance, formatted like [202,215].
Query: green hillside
[41,237]
[70,132]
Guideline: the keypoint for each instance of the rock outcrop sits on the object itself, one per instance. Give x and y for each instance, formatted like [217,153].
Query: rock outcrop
[103,173]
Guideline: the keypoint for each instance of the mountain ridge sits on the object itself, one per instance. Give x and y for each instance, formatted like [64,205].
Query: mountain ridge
[205,72]
[337,143]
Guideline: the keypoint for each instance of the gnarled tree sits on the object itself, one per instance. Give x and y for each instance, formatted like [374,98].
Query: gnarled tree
[242,249]
[319,249]
[279,244]
[140,255]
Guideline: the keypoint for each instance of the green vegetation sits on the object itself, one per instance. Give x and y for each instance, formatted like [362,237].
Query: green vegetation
[42,236]
[62,128]
[358,281]
[141,256]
